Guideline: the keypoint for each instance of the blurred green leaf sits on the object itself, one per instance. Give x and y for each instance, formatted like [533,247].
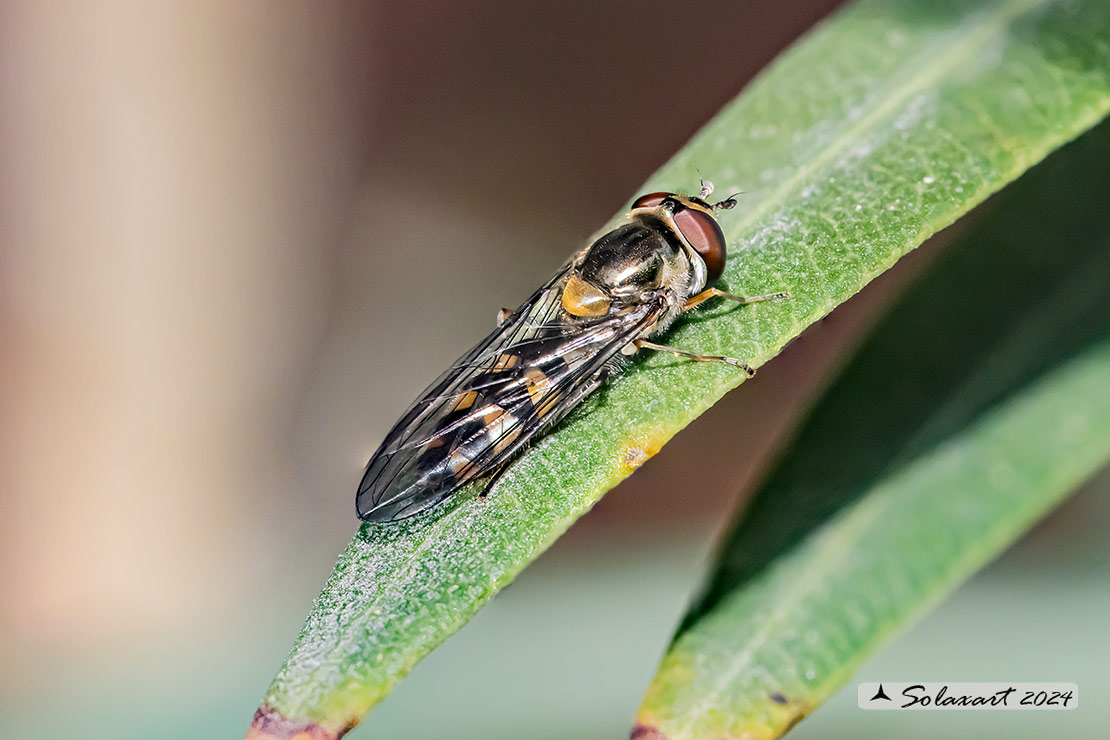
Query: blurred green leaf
[885,124]
[976,405]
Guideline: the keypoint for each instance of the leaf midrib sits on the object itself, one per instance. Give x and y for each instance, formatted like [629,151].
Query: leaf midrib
[829,558]
[894,94]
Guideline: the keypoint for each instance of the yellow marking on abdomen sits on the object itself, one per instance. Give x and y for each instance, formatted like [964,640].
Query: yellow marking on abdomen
[501,426]
[504,362]
[466,401]
[538,385]
[458,462]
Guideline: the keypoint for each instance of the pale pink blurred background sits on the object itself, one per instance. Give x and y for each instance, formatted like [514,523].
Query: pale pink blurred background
[237,239]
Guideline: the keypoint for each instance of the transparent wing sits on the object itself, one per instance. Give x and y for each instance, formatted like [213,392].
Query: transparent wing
[525,376]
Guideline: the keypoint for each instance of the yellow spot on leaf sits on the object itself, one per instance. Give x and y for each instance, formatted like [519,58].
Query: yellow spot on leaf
[637,451]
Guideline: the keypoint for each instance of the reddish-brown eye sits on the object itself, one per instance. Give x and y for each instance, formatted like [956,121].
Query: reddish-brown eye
[706,237]
[651,200]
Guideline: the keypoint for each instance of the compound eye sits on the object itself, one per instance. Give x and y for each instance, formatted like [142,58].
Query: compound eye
[651,200]
[705,236]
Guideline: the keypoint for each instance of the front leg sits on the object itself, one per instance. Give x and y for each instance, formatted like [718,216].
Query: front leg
[705,295]
[492,479]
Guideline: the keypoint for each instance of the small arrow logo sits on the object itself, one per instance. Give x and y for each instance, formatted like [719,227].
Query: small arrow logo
[880,694]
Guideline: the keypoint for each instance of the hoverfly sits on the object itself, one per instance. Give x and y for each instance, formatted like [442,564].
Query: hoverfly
[545,357]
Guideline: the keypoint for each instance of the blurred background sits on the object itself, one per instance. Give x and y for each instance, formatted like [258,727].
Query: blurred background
[236,239]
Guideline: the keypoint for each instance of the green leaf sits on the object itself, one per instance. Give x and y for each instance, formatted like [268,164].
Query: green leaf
[885,124]
[977,404]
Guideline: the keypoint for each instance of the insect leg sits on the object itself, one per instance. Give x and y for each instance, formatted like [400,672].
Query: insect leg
[645,344]
[492,480]
[705,295]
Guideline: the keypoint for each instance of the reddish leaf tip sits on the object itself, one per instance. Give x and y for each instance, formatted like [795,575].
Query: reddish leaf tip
[270,724]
